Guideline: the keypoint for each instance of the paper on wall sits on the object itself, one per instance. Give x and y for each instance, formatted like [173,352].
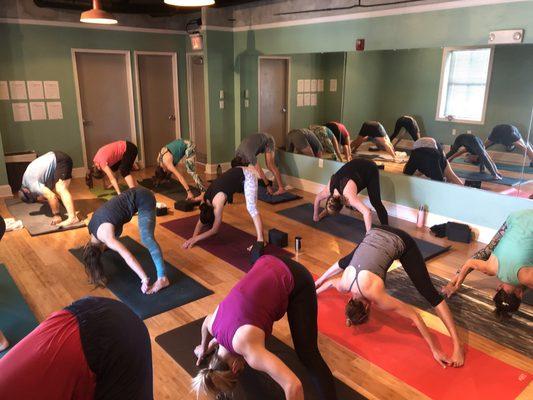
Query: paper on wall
[51,89]
[307,99]
[35,90]
[37,110]
[299,100]
[313,99]
[20,112]
[313,85]
[307,85]
[18,90]
[333,85]
[300,85]
[4,91]
[55,111]
[321,85]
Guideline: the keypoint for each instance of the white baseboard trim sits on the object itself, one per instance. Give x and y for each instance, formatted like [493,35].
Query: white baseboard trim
[481,233]
[5,191]
[79,172]
[212,168]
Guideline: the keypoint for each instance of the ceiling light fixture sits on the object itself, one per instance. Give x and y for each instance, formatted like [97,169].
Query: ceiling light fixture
[97,16]
[190,3]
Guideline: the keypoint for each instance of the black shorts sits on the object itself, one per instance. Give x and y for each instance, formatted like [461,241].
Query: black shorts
[63,167]
[372,129]
[343,141]
[125,165]
[504,134]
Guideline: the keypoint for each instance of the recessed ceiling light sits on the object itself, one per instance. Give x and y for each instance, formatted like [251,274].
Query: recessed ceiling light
[97,16]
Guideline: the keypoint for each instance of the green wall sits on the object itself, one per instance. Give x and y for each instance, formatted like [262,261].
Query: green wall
[3,173]
[31,52]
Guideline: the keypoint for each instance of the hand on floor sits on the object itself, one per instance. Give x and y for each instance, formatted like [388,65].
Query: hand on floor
[145,286]
[4,343]
[56,220]
[452,287]
[189,243]
[441,358]
[161,283]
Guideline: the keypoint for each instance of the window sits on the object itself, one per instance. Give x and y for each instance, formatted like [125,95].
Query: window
[464,85]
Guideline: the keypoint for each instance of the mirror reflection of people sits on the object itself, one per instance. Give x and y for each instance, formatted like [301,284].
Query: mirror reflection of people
[116,156]
[375,132]
[247,152]
[235,333]
[468,143]
[95,348]
[328,140]
[405,124]
[342,136]
[46,178]
[510,137]
[105,228]
[509,257]
[364,273]
[344,186]
[304,141]
[4,343]
[428,158]
[220,193]
[168,160]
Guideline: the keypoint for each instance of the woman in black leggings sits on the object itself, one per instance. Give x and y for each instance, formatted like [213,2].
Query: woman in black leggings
[375,132]
[410,126]
[364,271]
[235,333]
[473,145]
[510,137]
[343,187]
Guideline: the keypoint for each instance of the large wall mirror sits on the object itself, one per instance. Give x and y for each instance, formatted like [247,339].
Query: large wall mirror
[477,99]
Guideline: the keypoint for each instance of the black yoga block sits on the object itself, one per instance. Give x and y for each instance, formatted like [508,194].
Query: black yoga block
[458,232]
[277,237]
[258,249]
[160,211]
[474,184]
[184,205]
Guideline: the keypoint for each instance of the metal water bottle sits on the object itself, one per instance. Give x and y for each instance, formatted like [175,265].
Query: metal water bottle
[297,244]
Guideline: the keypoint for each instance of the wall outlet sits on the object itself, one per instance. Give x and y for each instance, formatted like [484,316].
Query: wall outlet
[221,95]
[320,163]
[469,131]
[246,103]
[454,132]
[221,104]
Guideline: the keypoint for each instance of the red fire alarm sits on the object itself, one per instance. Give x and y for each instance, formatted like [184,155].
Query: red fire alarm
[360,44]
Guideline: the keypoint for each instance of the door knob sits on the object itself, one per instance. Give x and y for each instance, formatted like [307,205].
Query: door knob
[171,117]
[283,110]
[86,122]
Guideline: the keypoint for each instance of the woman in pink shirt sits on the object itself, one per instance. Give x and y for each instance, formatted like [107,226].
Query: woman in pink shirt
[119,155]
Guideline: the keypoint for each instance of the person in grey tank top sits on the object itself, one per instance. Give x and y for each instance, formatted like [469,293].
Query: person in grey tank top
[364,273]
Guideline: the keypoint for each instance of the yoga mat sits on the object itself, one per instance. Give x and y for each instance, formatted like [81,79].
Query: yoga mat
[528,297]
[105,194]
[350,228]
[263,195]
[394,344]
[505,167]
[125,284]
[484,177]
[171,189]
[37,217]
[229,244]
[471,309]
[179,343]
[16,318]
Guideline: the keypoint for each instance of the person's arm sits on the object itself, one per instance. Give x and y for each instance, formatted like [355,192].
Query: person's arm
[111,176]
[354,201]
[214,229]
[410,167]
[250,195]
[202,350]
[336,148]
[271,165]
[263,177]
[169,165]
[322,195]
[66,198]
[335,269]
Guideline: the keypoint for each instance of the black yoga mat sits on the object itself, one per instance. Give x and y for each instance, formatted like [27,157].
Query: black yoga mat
[263,195]
[527,298]
[179,343]
[350,228]
[16,318]
[484,177]
[37,217]
[125,284]
[471,309]
[170,188]
[502,166]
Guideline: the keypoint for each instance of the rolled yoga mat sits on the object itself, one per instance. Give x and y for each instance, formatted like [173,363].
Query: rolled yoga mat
[171,189]
[350,228]
[36,217]
[125,284]
[484,177]
[16,318]
[179,343]
[263,195]
[229,244]
[471,309]
[393,343]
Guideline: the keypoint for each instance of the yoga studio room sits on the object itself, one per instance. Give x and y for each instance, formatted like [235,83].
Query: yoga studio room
[266,199]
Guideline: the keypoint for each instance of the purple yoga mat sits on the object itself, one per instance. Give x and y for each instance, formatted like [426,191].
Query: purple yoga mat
[230,244]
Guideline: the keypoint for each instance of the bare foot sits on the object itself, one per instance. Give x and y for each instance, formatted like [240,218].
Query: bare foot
[4,344]
[158,285]
[69,221]
[279,191]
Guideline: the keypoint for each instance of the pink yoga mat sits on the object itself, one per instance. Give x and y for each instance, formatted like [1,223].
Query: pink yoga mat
[394,344]
[230,244]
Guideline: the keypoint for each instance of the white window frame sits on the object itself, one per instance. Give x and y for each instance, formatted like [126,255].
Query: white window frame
[445,52]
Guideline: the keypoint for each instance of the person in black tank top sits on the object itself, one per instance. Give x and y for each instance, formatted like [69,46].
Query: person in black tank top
[375,132]
[221,191]
[364,273]
[106,227]
[409,125]
[343,187]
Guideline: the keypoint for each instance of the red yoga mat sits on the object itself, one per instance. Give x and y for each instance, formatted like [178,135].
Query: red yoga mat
[394,344]
[230,244]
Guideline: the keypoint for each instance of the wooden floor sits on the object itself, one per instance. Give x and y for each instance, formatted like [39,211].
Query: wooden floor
[50,278]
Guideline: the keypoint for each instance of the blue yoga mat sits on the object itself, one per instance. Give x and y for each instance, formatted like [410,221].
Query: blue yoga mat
[16,318]
[125,284]
[350,228]
[505,167]
[484,177]
[263,195]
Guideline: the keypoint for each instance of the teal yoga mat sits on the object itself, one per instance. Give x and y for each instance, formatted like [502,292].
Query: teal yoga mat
[16,318]
[484,177]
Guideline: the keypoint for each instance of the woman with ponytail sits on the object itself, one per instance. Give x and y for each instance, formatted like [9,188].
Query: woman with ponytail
[235,334]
